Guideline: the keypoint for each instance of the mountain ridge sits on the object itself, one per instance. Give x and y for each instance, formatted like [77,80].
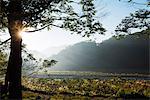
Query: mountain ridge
[128,55]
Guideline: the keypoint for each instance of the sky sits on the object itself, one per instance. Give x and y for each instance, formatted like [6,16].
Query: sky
[115,11]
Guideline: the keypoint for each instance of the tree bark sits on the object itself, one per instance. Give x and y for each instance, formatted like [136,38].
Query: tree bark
[13,77]
[14,69]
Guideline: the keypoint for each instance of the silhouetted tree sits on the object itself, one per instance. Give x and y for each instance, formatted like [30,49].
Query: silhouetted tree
[17,15]
[139,20]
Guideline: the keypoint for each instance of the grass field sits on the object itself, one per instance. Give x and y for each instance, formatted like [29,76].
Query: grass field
[83,89]
[88,88]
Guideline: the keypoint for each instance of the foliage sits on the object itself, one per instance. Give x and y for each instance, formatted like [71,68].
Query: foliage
[89,87]
[32,67]
[41,14]
[33,96]
[47,63]
[139,20]
[28,61]
[3,63]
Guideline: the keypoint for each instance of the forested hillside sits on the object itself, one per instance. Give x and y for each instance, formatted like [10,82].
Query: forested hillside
[128,55]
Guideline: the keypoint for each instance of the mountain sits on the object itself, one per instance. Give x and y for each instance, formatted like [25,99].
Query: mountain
[53,50]
[127,55]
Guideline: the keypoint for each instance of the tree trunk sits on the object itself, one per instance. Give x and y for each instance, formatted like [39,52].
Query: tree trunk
[14,69]
[15,62]
[13,75]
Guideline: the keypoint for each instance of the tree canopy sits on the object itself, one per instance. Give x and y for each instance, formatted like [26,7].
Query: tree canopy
[138,20]
[40,14]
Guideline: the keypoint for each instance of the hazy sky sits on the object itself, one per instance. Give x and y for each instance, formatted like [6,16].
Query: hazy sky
[57,37]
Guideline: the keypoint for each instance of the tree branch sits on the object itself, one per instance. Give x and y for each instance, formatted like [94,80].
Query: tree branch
[40,10]
[44,28]
[137,3]
[5,41]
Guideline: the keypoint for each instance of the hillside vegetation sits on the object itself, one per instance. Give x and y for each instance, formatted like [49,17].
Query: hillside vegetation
[127,55]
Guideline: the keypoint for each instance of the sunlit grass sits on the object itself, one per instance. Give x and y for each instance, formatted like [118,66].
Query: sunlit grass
[54,89]
[90,87]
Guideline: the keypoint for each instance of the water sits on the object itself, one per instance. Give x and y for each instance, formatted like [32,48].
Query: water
[92,76]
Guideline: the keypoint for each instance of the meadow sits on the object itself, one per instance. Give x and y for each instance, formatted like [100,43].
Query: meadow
[84,88]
